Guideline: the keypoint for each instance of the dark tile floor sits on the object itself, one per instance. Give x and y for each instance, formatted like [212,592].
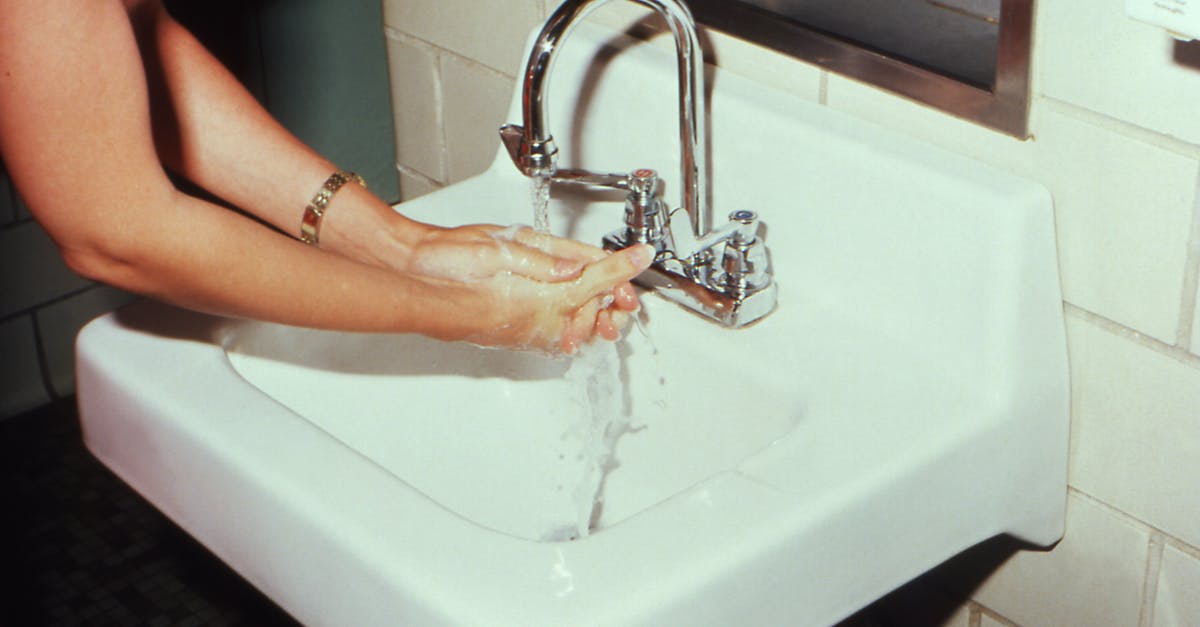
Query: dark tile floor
[78,547]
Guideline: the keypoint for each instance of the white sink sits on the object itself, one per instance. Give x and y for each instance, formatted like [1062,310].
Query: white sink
[906,400]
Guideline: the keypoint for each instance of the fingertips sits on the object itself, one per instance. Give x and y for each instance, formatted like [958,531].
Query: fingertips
[581,326]
[611,323]
[625,297]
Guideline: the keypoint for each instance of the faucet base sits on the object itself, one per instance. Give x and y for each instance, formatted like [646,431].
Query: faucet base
[731,308]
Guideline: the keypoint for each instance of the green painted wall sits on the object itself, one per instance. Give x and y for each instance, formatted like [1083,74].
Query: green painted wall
[320,67]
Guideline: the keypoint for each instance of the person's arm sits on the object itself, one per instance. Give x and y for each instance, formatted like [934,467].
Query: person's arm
[75,135]
[210,129]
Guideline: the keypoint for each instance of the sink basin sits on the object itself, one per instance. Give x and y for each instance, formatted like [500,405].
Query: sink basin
[906,400]
[502,438]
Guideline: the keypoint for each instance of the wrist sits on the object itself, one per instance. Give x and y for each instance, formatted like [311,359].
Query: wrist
[364,228]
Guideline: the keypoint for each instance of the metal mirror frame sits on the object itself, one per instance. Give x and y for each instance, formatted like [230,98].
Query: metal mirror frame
[1004,107]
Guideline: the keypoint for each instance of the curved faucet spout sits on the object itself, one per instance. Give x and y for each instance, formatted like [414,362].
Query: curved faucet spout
[537,150]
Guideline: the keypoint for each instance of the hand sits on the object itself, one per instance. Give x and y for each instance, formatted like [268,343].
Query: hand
[525,313]
[479,251]
[483,251]
[488,257]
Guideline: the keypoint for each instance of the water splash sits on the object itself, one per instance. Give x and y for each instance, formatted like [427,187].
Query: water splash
[596,372]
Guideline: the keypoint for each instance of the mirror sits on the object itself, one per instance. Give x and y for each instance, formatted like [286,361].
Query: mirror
[969,58]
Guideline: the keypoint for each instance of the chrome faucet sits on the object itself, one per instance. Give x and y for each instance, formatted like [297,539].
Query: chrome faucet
[734,286]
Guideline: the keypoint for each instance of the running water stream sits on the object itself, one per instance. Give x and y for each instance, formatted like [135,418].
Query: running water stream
[539,196]
[595,375]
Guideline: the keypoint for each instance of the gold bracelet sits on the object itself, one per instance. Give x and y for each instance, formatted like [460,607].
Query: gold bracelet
[310,225]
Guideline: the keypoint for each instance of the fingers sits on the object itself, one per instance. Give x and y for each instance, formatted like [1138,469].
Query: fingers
[607,297]
[610,322]
[532,263]
[559,246]
[557,259]
[625,297]
[605,275]
[581,326]
[476,252]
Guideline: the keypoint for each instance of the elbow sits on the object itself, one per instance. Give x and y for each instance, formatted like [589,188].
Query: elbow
[118,249]
[101,264]
[86,263]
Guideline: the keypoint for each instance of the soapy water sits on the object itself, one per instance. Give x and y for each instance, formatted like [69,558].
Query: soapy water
[508,233]
[603,416]
[600,422]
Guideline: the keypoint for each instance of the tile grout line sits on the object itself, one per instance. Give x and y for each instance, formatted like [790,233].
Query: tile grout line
[1191,276]
[43,361]
[974,614]
[32,309]
[1177,353]
[412,40]
[1166,538]
[1154,556]
[1124,128]
[409,171]
[994,615]
[1181,546]
[439,105]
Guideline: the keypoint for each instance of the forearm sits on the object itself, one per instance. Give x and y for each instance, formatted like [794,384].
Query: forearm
[203,257]
[76,136]
[212,131]
[75,133]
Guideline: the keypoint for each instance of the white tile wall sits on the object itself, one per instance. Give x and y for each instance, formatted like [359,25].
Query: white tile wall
[1178,602]
[1093,577]
[1095,57]
[417,105]
[413,184]
[1135,434]
[491,33]
[1122,243]
[1117,142]
[475,101]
